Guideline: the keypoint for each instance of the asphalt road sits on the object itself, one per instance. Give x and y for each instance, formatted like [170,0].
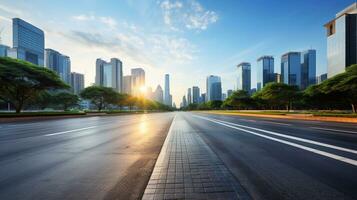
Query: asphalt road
[80,158]
[112,157]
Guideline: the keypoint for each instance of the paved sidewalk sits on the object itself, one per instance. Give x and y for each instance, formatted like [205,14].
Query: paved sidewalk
[188,169]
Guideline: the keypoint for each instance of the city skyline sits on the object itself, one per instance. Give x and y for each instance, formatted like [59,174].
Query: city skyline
[180,38]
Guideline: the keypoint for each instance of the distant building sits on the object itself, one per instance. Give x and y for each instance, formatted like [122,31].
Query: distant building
[224,96]
[277,78]
[252,91]
[291,68]
[189,96]
[321,78]
[341,41]
[159,94]
[203,98]
[229,93]
[77,82]
[308,68]
[195,94]
[265,71]
[59,63]
[168,100]
[244,76]
[213,88]
[184,101]
[127,84]
[138,80]
[109,74]
[3,50]
[28,42]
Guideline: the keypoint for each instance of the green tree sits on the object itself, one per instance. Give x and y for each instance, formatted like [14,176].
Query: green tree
[280,94]
[65,100]
[21,81]
[100,96]
[238,100]
[215,104]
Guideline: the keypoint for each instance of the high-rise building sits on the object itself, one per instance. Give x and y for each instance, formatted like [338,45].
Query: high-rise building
[244,76]
[265,71]
[321,78]
[291,68]
[109,74]
[77,82]
[308,68]
[277,78]
[168,101]
[224,96]
[195,94]
[159,94]
[138,80]
[59,63]
[127,84]
[189,96]
[213,88]
[342,41]
[28,42]
[184,101]
[229,93]
[3,50]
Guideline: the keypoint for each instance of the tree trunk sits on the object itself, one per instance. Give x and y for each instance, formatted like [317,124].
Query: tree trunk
[354,108]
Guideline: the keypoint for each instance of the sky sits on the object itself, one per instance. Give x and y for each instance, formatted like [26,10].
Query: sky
[188,39]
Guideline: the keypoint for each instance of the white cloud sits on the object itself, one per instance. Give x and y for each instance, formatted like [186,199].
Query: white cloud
[189,14]
[84,17]
[10,10]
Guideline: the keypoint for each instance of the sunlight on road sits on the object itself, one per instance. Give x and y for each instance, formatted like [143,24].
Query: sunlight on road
[143,126]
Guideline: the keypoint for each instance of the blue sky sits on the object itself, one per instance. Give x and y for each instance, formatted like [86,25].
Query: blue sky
[189,39]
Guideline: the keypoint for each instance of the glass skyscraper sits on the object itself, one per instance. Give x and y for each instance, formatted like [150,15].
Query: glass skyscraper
[265,71]
[77,82]
[28,42]
[214,88]
[168,100]
[195,94]
[308,68]
[342,41]
[138,80]
[291,68]
[244,76]
[109,74]
[59,63]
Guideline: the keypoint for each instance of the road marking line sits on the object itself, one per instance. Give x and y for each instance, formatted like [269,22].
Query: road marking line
[323,153]
[277,123]
[71,131]
[335,130]
[291,137]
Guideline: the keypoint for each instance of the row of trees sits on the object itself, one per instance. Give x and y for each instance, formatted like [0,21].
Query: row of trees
[338,92]
[25,85]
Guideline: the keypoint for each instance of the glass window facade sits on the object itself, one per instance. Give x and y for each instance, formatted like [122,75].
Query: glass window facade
[265,71]
[244,77]
[107,75]
[291,69]
[59,63]
[308,68]
[214,91]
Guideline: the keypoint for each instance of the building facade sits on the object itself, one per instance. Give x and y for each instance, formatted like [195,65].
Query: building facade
[265,71]
[210,93]
[342,41]
[109,74]
[168,100]
[308,68]
[28,42]
[195,95]
[158,94]
[189,96]
[127,84]
[138,80]
[321,78]
[59,63]
[3,50]
[291,68]
[77,82]
[244,76]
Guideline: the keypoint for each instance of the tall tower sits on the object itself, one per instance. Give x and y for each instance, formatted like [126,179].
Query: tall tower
[167,90]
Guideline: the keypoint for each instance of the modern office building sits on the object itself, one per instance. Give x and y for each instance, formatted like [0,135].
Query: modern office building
[229,93]
[308,68]
[265,71]
[213,88]
[342,41]
[189,96]
[138,80]
[184,101]
[3,50]
[168,100]
[158,94]
[28,42]
[291,68]
[109,74]
[59,63]
[195,95]
[321,78]
[203,98]
[277,78]
[77,82]
[224,96]
[127,84]
[244,76]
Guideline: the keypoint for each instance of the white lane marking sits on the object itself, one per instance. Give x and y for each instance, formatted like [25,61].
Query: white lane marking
[70,131]
[291,137]
[278,123]
[323,153]
[335,130]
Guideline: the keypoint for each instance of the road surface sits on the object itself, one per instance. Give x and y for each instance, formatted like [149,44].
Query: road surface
[113,157]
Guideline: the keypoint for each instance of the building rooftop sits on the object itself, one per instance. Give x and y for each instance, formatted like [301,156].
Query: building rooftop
[243,64]
[290,53]
[352,9]
[265,57]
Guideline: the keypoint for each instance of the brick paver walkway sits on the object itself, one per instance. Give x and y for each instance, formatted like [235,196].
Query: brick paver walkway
[188,169]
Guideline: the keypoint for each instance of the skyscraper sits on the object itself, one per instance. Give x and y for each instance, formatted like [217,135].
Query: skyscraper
[109,74]
[3,50]
[213,88]
[168,100]
[59,63]
[127,84]
[244,78]
[189,96]
[291,68]
[265,71]
[224,96]
[77,82]
[203,98]
[159,94]
[341,41]
[195,94]
[184,101]
[229,93]
[308,68]
[28,42]
[138,80]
